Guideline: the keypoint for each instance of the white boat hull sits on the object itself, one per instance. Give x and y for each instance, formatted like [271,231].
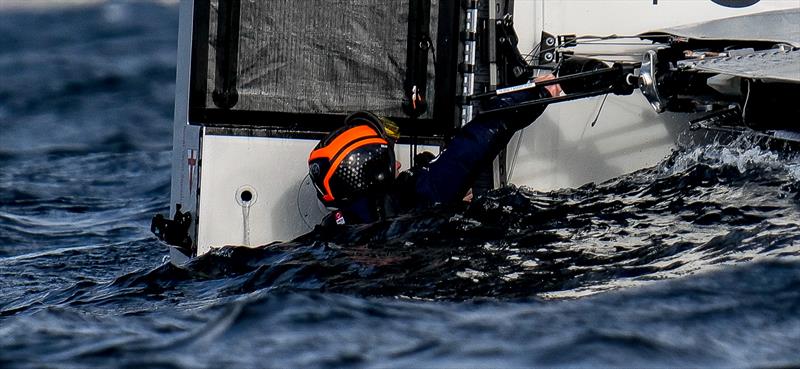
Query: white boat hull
[561,149]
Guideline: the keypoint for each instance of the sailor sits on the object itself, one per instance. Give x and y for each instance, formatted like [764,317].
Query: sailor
[355,172]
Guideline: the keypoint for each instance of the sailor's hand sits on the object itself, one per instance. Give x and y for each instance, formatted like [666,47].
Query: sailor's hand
[554,90]
[515,115]
[577,64]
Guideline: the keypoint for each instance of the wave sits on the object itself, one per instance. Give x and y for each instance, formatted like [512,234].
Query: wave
[740,316]
[692,262]
[700,210]
[87,79]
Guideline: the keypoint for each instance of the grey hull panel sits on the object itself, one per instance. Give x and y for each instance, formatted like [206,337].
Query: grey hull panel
[780,26]
[770,65]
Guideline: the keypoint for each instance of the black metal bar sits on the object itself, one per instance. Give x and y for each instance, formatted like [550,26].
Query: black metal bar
[310,122]
[198,84]
[225,94]
[418,47]
[549,82]
[552,100]
[445,109]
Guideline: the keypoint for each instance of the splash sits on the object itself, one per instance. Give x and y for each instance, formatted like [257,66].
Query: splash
[702,209]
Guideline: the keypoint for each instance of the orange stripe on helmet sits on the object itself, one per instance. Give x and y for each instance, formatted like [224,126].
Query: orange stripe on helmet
[342,141]
[326,182]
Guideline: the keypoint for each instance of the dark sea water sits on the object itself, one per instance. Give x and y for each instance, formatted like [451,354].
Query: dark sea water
[692,263]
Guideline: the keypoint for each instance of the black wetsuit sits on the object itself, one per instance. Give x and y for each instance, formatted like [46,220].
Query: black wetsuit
[447,178]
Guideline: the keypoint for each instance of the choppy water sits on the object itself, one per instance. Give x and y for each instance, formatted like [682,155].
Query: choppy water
[695,262]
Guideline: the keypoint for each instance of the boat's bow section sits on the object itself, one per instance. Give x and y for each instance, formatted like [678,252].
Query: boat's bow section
[726,47]
[259,82]
[742,73]
[761,46]
[775,65]
[775,27]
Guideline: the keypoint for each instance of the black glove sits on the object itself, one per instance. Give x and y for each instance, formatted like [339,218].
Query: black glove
[577,64]
[521,116]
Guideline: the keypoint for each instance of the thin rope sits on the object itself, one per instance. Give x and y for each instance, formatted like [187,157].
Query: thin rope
[297,201]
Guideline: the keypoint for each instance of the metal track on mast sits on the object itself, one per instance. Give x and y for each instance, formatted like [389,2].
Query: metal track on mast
[469,36]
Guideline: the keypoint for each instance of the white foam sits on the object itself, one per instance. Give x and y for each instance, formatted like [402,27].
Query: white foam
[743,153]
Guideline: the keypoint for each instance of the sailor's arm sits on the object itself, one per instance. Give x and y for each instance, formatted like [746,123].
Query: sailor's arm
[448,177]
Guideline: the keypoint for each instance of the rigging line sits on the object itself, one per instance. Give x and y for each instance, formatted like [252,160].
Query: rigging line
[572,154]
[516,154]
[534,53]
[297,201]
[612,58]
[558,66]
[414,152]
[630,53]
[603,42]
[600,39]
[608,37]
[433,52]
[535,48]
[530,56]
[586,126]
[522,132]
[746,100]
[602,104]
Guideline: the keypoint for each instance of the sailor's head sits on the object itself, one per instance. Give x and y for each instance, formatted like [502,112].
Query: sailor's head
[354,161]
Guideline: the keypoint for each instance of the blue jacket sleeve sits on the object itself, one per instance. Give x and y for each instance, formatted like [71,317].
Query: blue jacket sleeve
[448,177]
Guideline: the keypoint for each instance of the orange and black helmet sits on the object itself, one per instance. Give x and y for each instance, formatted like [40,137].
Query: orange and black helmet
[355,160]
